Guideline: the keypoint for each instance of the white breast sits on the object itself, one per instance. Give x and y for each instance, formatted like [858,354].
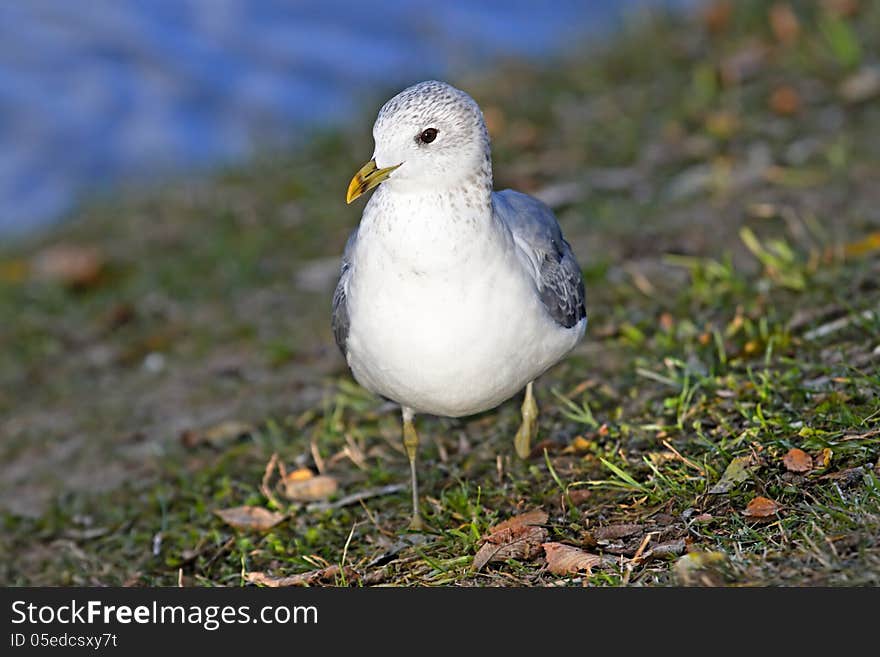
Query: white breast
[444,319]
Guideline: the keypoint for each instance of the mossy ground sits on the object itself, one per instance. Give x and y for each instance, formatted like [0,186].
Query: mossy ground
[728,233]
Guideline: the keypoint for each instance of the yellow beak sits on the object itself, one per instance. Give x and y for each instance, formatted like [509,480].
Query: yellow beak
[368,177]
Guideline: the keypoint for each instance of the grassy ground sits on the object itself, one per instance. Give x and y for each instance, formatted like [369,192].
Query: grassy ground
[718,179]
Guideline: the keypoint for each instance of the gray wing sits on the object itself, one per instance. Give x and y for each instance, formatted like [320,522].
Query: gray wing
[339,319]
[545,253]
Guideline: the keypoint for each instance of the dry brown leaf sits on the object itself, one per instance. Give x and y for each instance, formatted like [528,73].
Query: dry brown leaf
[864,246]
[579,495]
[672,548]
[716,15]
[841,8]
[300,474]
[761,507]
[612,532]
[784,23]
[579,444]
[219,434]
[519,537]
[250,517]
[566,559]
[68,264]
[535,517]
[797,460]
[298,488]
[328,575]
[785,100]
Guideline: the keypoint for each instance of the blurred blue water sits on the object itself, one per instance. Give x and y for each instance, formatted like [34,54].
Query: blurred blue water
[97,93]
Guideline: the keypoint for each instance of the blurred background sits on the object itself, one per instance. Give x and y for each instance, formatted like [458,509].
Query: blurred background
[133,91]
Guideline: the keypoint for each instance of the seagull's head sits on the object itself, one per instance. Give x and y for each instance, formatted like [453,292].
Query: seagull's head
[430,136]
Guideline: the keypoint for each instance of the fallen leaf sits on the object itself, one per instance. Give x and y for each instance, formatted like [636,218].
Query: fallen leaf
[738,471]
[219,434]
[519,537]
[300,474]
[841,8]
[250,517]
[761,507]
[611,532]
[71,265]
[328,575]
[566,559]
[797,460]
[823,459]
[579,444]
[579,495]
[785,100]
[298,488]
[716,15]
[864,246]
[784,23]
[663,550]
[700,569]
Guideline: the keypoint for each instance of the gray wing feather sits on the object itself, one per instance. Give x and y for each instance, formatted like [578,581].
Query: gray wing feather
[545,253]
[339,319]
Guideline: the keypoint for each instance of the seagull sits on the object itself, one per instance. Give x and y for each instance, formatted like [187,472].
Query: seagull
[452,297]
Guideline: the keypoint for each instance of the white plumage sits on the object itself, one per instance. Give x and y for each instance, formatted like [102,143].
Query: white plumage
[444,316]
[452,298]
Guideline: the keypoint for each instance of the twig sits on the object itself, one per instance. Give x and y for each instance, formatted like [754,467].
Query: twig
[643,545]
[264,485]
[223,548]
[345,548]
[839,324]
[860,436]
[635,558]
[683,459]
[316,454]
[356,497]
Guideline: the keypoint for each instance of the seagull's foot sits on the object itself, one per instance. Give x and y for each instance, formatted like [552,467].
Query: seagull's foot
[411,445]
[529,427]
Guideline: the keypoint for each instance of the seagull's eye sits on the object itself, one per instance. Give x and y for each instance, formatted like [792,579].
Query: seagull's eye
[428,135]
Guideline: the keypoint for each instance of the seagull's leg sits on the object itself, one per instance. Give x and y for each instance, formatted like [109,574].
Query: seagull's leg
[529,427]
[411,444]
